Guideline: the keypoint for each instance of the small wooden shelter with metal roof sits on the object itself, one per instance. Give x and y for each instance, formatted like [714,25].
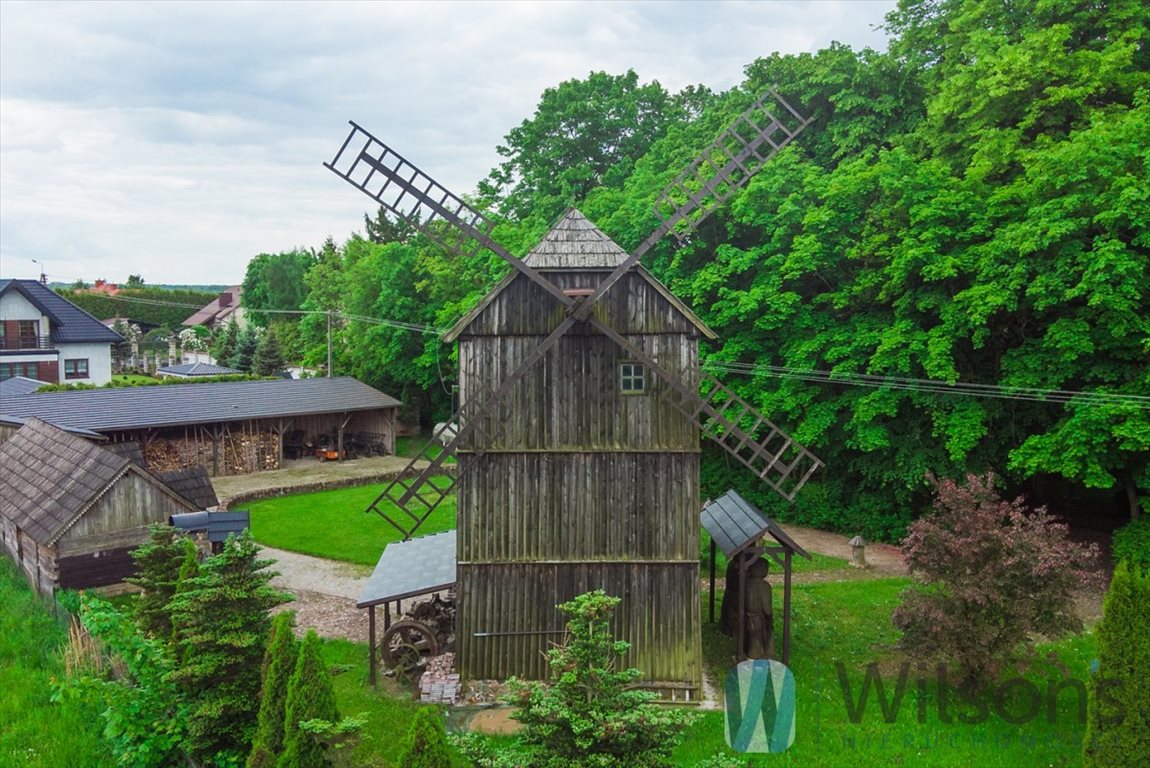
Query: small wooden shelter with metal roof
[71,511]
[739,529]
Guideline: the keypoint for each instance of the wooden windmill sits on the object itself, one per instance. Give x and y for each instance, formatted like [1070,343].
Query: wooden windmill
[582,402]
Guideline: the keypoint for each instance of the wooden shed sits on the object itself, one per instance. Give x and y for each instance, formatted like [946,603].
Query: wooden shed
[71,511]
[591,479]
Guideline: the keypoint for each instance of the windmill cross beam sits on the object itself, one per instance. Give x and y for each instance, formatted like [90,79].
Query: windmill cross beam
[716,174]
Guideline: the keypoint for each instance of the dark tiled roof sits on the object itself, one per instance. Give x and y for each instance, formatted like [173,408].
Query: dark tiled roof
[50,477]
[197,369]
[19,385]
[734,523]
[194,484]
[70,324]
[125,408]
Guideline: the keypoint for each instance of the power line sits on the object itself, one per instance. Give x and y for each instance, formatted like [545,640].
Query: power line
[933,386]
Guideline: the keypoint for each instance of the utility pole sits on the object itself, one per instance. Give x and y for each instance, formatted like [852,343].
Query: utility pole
[329,343]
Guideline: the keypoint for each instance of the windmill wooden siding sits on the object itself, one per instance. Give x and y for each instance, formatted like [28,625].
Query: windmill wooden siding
[575,485]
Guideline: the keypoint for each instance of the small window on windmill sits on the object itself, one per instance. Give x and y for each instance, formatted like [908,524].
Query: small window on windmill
[632,378]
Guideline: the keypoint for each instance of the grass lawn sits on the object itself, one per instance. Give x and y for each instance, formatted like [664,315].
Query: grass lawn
[848,622]
[34,732]
[333,524]
[132,378]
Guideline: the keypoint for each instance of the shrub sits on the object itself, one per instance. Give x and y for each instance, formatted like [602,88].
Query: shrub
[309,697]
[427,742]
[1118,717]
[991,574]
[1132,543]
[588,715]
[279,663]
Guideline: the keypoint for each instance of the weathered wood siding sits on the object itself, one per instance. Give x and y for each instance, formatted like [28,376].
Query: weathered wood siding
[525,507]
[120,518]
[573,486]
[571,398]
[659,615]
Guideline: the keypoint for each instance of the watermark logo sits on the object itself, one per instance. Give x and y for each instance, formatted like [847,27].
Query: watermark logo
[760,704]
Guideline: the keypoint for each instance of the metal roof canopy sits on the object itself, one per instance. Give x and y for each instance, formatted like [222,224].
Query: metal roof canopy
[218,525]
[411,568]
[737,526]
[406,569]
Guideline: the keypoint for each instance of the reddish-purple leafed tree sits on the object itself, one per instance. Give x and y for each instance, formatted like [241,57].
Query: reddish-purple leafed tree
[991,574]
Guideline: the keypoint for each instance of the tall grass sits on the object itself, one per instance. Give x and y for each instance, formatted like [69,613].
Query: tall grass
[34,731]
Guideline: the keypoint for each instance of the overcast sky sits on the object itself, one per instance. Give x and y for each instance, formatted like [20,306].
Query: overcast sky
[177,140]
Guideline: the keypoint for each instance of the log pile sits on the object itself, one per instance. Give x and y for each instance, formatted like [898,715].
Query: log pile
[240,453]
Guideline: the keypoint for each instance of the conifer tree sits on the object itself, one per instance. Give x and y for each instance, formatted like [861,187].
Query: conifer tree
[157,563]
[427,742]
[269,359]
[1118,718]
[279,664]
[226,342]
[222,623]
[244,356]
[309,697]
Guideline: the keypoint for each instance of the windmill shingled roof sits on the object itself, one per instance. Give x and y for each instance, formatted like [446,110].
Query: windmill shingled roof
[575,243]
[70,324]
[124,408]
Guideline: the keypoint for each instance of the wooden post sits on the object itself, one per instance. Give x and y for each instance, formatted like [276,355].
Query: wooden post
[712,619]
[339,438]
[371,644]
[741,637]
[787,608]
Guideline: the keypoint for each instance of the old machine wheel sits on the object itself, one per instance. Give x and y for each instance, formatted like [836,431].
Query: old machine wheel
[407,645]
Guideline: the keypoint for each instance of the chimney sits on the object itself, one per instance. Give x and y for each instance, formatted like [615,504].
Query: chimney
[225,299]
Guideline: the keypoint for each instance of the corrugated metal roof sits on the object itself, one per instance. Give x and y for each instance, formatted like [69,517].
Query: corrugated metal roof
[51,477]
[734,523]
[575,243]
[70,324]
[124,408]
[218,525]
[410,568]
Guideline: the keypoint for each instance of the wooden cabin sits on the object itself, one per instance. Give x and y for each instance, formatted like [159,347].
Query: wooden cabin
[583,477]
[71,511]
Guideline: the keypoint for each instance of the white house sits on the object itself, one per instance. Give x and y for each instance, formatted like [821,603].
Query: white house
[46,337]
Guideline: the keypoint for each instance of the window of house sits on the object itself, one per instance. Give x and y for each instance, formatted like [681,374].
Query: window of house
[632,378]
[29,331]
[28,370]
[76,368]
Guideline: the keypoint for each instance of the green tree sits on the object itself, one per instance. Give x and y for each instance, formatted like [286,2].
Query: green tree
[222,620]
[1118,718]
[278,666]
[309,697]
[275,282]
[135,281]
[589,715]
[243,359]
[226,342]
[269,359]
[584,133]
[157,562]
[426,742]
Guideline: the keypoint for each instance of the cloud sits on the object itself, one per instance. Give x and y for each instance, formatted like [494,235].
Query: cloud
[177,140]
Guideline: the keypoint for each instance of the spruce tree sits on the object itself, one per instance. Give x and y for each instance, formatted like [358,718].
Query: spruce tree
[269,359]
[1118,716]
[189,570]
[309,697]
[157,563]
[222,623]
[244,356]
[226,342]
[279,664]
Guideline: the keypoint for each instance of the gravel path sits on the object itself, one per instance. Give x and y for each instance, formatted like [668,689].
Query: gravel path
[315,574]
